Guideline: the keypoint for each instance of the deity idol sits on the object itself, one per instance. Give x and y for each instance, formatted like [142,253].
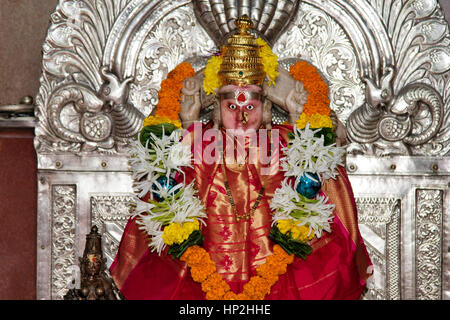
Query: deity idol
[240,208]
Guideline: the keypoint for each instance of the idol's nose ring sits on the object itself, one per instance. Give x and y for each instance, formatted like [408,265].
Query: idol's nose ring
[244,117]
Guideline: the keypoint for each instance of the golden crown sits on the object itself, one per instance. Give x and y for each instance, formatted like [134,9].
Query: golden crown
[242,63]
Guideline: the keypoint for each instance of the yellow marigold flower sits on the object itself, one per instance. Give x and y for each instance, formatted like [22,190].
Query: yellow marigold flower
[284,225]
[153,120]
[176,233]
[211,81]
[315,121]
[269,60]
[301,233]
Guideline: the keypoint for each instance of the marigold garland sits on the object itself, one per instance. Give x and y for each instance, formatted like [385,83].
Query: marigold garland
[301,233]
[168,106]
[177,233]
[203,270]
[317,101]
[269,61]
[211,80]
[315,121]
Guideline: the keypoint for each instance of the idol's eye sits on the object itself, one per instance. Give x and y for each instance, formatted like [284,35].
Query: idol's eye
[232,106]
[250,107]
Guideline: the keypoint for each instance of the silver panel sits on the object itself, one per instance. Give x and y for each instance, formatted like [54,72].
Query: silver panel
[66,200]
[420,194]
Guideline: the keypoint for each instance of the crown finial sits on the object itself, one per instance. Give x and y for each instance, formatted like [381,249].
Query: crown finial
[243,24]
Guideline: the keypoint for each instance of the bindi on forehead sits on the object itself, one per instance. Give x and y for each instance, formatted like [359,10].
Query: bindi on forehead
[242,97]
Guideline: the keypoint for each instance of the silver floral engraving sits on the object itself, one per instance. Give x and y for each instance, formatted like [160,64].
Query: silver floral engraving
[317,38]
[429,219]
[382,217]
[110,214]
[63,237]
[172,37]
[81,104]
[407,99]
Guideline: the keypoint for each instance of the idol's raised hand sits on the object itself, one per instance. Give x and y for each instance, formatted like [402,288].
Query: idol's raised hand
[190,101]
[295,101]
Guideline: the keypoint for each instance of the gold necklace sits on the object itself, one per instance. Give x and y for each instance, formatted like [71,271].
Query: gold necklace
[233,204]
[227,185]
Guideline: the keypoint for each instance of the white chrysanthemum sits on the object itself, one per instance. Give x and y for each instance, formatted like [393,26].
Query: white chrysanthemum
[143,168]
[180,155]
[154,230]
[180,207]
[187,207]
[159,158]
[306,153]
[283,198]
[142,206]
[289,204]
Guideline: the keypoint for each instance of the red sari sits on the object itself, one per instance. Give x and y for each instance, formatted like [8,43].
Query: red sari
[336,269]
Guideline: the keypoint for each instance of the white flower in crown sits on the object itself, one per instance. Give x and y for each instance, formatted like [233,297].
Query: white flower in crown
[307,153]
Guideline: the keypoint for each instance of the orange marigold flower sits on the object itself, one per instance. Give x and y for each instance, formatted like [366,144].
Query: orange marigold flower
[216,294]
[317,100]
[278,251]
[200,272]
[182,71]
[257,288]
[230,295]
[268,272]
[170,91]
[215,282]
[242,296]
[194,255]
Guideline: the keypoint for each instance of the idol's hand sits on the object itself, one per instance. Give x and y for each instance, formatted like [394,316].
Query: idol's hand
[295,101]
[190,101]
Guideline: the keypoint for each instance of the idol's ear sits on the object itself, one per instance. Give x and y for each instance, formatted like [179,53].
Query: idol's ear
[267,113]
[216,117]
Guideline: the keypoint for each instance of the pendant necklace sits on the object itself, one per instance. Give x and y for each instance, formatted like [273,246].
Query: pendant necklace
[238,216]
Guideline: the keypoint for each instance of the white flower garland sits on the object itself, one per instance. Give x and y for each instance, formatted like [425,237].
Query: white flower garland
[165,156]
[306,153]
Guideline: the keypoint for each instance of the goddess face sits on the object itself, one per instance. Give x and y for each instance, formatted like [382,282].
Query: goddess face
[241,108]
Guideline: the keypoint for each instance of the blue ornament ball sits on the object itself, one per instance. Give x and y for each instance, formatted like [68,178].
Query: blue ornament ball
[309,185]
[166,183]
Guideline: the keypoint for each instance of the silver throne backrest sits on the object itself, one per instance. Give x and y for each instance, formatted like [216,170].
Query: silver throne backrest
[102,67]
